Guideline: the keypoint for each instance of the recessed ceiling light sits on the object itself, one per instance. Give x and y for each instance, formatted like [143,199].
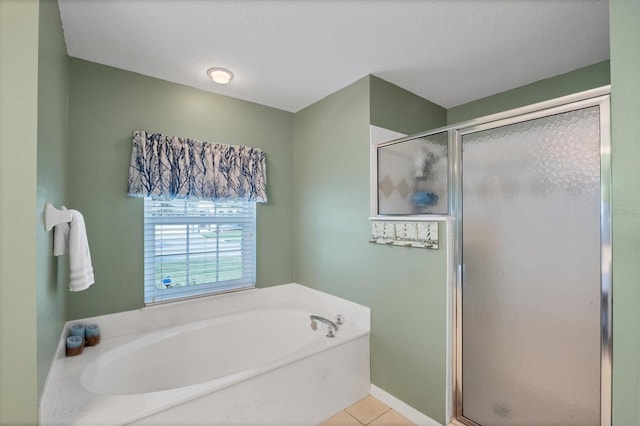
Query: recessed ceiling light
[220,75]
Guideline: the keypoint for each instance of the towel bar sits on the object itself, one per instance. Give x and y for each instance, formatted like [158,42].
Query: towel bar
[53,216]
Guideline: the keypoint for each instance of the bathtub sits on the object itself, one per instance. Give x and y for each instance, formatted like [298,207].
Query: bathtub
[243,358]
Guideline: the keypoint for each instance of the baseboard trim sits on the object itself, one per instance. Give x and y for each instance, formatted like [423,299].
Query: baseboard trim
[402,407]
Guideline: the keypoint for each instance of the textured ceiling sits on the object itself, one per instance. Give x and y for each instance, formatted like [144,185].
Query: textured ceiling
[289,54]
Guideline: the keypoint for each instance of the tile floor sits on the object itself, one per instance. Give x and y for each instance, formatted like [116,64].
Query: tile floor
[367,411]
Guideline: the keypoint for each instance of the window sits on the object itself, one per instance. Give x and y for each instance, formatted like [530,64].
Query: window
[193,248]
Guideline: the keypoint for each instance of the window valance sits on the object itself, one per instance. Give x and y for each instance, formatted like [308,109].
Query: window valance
[175,167]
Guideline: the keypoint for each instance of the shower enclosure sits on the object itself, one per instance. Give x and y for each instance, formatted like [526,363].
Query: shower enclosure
[533,296]
[529,191]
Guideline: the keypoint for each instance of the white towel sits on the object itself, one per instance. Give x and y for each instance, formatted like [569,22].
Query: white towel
[61,238]
[81,271]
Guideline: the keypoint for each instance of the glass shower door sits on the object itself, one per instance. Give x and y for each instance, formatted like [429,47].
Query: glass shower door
[531,251]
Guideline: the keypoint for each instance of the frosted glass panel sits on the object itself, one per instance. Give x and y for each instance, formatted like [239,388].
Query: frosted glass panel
[412,176]
[531,289]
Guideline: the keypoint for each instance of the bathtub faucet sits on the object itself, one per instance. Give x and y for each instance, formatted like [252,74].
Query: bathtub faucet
[333,327]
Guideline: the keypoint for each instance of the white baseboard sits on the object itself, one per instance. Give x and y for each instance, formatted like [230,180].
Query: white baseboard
[402,407]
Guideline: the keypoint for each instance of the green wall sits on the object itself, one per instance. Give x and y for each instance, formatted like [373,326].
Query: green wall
[624,22]
[596,75]
[405,288]
[395,108]
[105,106]
[19,215]
[52,272]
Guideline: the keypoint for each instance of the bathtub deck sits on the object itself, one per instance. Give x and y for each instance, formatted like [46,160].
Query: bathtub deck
[307,383]
[367,412]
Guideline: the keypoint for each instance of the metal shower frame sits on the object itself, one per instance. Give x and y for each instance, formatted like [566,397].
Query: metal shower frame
[596,97]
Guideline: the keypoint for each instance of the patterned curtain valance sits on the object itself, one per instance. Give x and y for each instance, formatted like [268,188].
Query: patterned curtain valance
[174,167]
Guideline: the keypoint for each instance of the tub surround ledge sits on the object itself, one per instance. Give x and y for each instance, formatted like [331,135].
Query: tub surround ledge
[73,395]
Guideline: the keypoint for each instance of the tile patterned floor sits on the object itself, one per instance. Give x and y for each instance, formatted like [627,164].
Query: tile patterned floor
[368,411]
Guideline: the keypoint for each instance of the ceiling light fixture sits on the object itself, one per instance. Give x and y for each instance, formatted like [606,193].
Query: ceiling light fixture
[220,75]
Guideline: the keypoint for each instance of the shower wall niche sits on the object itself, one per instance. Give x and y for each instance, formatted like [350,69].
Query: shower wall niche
[412,176]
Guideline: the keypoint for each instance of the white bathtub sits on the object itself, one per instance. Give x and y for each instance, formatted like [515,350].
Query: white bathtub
[256,360]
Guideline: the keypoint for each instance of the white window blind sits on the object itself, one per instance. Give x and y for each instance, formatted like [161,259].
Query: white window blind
[192,248]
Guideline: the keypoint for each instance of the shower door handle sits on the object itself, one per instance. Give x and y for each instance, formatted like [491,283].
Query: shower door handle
[460,274]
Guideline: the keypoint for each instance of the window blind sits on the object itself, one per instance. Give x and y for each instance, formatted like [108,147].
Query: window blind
[192,248]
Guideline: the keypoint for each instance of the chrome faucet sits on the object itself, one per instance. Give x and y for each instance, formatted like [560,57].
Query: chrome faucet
[333,327]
